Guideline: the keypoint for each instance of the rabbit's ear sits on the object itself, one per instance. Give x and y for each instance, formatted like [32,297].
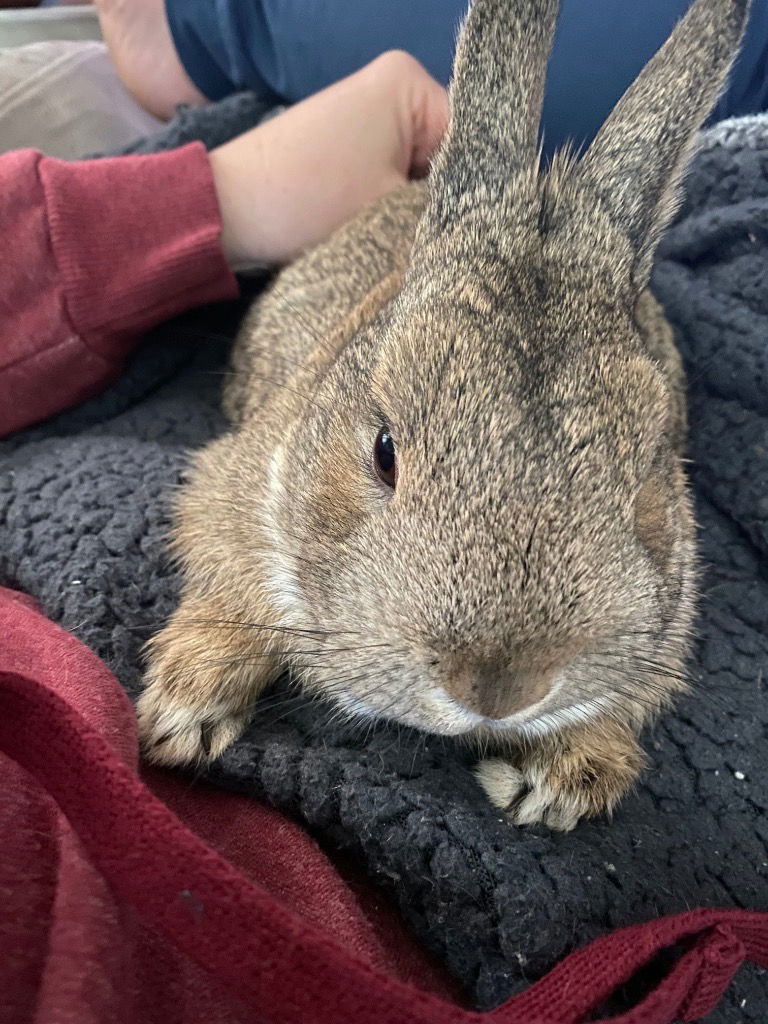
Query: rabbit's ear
[496,96]
[636,162]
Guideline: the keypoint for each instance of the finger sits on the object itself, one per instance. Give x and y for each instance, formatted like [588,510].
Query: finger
[430,120]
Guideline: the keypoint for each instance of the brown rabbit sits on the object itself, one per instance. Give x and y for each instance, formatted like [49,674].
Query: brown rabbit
[453,496]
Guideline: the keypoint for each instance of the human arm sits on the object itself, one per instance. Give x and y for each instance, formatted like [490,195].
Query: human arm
[106,249]
[102,251]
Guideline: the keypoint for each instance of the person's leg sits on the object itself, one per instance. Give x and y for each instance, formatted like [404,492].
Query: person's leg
[140,45]
[602,45]
[289,49]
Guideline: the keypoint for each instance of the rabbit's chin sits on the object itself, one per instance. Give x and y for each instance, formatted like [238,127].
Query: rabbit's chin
[435,711]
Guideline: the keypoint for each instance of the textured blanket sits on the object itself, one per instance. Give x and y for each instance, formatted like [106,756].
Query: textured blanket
[82,521]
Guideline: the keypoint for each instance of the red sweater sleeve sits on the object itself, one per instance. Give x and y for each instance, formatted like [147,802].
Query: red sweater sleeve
[97,252]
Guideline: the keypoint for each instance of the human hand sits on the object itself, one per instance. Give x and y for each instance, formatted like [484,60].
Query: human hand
[287,184]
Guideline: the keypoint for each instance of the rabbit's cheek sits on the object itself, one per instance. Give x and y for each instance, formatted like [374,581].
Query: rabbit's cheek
[652,521]
[339,503]
[330,490]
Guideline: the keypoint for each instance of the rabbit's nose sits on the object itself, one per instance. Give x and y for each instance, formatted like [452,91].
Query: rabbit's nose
[495,691]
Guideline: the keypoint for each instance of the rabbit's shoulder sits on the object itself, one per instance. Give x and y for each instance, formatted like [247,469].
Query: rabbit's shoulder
[299,324]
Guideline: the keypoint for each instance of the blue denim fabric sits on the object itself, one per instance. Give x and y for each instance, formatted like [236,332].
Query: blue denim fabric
[287,49]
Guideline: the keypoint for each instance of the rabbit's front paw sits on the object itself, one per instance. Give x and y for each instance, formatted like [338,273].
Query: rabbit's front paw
[204,675]
[564,779]
[174,733]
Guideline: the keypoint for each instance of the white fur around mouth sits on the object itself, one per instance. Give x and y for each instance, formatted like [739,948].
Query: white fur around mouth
[452,719]
[534,721]
[575,714]
[355,706]
[448,707]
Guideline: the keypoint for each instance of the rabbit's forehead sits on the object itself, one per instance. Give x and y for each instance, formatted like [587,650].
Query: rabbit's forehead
[490,387]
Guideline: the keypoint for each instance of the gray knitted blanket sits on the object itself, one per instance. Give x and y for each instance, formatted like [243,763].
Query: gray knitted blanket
[82,524]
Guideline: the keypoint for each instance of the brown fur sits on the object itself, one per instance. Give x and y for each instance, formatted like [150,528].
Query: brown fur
[530,581]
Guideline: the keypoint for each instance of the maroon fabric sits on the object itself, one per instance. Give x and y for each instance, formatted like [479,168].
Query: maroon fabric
[115,908]
[102,251]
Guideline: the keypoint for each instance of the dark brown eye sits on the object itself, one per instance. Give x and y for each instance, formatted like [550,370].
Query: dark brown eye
[384,460]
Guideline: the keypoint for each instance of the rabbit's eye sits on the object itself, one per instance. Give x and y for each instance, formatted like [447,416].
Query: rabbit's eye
[384,460]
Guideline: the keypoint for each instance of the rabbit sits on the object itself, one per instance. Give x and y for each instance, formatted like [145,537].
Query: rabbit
[453,495]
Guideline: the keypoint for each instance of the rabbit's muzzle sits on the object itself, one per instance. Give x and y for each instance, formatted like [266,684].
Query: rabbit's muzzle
[496,690]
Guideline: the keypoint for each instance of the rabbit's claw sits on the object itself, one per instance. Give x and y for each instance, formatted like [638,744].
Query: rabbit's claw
[527,797]
[175,733]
